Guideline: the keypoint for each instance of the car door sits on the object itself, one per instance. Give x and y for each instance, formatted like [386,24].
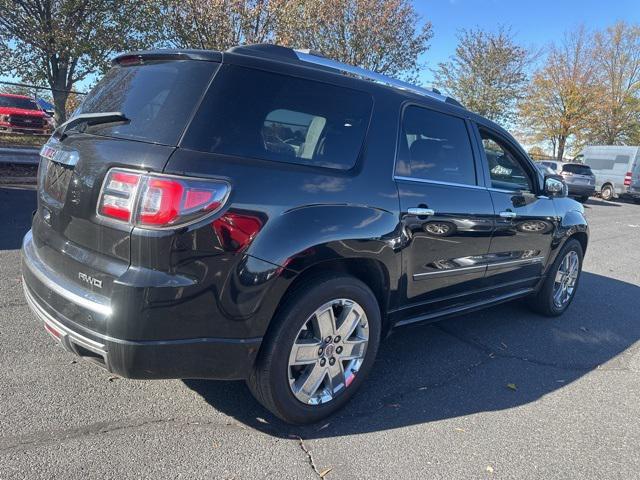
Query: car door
[446,211]
[525,219]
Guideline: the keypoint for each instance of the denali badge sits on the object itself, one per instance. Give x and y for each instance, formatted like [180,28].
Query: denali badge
[90,280]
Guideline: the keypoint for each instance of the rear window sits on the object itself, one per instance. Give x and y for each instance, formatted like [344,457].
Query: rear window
[577,169]
[18,102]
[258,114]
[158,98]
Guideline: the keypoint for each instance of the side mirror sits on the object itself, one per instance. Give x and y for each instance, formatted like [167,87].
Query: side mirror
[554,186]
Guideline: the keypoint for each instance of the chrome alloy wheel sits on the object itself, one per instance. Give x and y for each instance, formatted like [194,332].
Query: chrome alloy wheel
[437,228]
[566,278]
[328,351]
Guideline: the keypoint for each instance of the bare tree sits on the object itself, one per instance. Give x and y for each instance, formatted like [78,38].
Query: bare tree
[62,42]
[487,73]
[562,94]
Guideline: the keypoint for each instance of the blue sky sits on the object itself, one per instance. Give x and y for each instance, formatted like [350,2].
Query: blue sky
[535,24]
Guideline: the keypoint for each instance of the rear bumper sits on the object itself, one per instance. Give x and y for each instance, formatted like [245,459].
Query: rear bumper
[581,190]
[52,299]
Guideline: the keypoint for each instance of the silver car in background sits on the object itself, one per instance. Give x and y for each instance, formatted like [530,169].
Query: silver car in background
[617,170]
[578,177]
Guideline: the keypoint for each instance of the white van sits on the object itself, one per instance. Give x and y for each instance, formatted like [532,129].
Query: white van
[617,170]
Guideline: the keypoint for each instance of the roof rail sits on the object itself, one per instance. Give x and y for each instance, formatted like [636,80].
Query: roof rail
[313,57]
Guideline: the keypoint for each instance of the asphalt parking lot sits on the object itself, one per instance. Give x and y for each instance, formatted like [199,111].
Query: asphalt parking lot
[500,393]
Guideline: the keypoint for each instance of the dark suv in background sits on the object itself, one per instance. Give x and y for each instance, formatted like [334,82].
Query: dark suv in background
[268,214]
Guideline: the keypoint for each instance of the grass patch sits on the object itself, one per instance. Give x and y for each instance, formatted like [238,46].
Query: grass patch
[22,140]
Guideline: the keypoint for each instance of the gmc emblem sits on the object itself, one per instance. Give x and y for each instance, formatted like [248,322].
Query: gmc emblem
[90,280]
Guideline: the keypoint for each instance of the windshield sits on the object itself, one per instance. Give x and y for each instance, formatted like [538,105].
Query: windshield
[577,169]
[18,102]
[157,97]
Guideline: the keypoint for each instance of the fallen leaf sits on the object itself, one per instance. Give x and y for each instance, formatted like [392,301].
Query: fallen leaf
[492,355]
[73,361]
[324,472]
[423,388]
[458,429]
[584,329]
[114,378]
[560,381]
[261,420]
[393,405]
[324,426]
[489,469]
[504,345]
[512,386]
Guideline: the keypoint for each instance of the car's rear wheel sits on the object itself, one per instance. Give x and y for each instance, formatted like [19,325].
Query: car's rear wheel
[607,192]
[583,199]
[319,350]
[560,286]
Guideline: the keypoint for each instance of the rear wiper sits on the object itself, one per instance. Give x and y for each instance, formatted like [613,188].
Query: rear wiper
[89,119]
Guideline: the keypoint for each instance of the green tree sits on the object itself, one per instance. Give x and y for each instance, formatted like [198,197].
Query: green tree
[562,94]
[386,36]
[61,42]
[487,73]
[616,117]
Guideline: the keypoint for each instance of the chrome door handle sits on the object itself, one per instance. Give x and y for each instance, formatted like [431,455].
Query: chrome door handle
[508,214]
[421,212]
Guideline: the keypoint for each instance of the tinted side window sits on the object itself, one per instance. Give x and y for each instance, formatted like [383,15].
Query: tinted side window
[600,163]
[435,146]
[252,113]
[504,167]
[577,169]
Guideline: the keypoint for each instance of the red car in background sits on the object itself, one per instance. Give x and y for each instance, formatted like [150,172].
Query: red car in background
[19,113]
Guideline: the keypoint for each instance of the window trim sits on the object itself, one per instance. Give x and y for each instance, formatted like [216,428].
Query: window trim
[530,170]
[480,181]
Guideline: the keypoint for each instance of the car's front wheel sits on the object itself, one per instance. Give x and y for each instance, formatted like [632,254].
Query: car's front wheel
[319,350]
[560,286]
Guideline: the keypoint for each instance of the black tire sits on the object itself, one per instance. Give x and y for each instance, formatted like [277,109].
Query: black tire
[269,381]
[583,199]
[636,201]
[607,192]
[542,302]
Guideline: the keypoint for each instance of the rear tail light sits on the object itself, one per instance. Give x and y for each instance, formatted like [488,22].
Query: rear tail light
[159,201]
[627,179]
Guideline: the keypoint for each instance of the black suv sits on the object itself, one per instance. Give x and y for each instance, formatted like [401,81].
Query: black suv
[268,214]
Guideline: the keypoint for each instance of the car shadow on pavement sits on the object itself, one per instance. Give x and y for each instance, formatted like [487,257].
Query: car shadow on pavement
[602,203]
[490,360]
[16,207]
